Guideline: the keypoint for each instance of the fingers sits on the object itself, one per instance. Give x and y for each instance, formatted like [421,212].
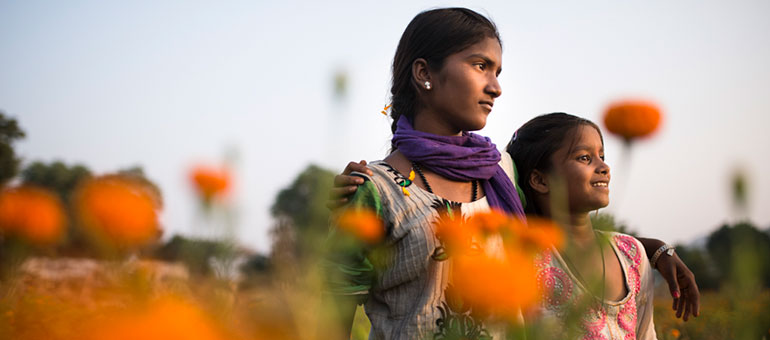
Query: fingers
[358,167]
[347,180]
[667,269]
[690,292]
[340,194]
[680,308]
[344,187]
[674,303]
[695,303]
[693,296]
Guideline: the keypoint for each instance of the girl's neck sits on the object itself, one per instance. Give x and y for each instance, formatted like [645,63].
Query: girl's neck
[430,122]
[580,231]
[576,226]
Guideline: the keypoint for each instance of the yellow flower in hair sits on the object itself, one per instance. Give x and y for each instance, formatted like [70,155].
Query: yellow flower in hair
[385,110]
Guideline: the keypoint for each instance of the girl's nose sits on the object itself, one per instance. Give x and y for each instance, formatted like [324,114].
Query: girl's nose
[494,88]
[603,168]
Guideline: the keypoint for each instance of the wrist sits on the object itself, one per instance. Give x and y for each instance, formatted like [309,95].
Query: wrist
[664,250]
[650,245]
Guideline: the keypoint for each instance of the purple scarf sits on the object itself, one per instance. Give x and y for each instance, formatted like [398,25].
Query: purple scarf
[460,158]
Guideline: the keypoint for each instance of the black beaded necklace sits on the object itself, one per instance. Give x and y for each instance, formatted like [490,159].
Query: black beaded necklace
[475,183]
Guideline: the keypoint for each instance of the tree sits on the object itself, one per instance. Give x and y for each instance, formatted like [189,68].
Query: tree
[64,179]
[740,254]
[701,265]
[9,163]
[607,222]
[197,255]
[300,212]
[55,176]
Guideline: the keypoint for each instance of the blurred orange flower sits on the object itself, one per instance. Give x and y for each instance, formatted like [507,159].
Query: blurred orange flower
[165,319]
[363,224]
[490,222]
[675,333]
[494,286]
[118,210]
[210,182]
[456,234]
[632,119]
[490,283]
[32,213]
[541,234]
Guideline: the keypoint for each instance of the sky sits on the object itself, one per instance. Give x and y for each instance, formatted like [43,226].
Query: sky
[169,84]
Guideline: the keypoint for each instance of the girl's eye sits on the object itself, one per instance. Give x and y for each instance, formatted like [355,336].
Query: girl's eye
[480,66]
[584,158]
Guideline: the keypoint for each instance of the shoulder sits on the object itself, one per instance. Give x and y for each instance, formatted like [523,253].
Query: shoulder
[384,187]
[506,162]
[384,177]
[628,245]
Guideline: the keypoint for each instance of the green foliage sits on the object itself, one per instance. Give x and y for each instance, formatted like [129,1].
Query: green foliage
[197,255]
[740,253]
[607,222]
[361,325]
[300,211]
[255,270]
[55,176]
[701,265]
[304,200]
[721,317]
[256,264]
[63,179]
[10,131]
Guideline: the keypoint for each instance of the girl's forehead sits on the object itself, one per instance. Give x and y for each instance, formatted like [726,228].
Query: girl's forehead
[586,132]
[583,136]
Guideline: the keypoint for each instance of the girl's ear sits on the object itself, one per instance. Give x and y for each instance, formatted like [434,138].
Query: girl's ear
[421,73]
[539,182]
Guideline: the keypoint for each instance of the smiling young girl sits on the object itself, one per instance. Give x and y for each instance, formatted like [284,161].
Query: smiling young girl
[444,84]
[560,160]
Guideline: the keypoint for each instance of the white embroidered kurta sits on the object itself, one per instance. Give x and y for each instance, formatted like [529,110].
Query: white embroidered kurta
[629,318]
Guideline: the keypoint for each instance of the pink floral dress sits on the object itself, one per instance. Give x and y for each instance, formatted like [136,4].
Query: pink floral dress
[629,318]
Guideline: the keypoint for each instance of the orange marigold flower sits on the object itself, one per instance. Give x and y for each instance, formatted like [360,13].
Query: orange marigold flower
[632,118]
[32,213]
[675,333]
[456,235]
[541,234]
[363,224]
[493,286]
[210,182]
[491,221]
[167,318]
[118,210]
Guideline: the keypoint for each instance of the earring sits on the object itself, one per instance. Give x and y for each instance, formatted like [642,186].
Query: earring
[427,85]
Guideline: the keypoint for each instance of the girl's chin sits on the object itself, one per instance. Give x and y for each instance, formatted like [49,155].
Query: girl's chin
[594,207]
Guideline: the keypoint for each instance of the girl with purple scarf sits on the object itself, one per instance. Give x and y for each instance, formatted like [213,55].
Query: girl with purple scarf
[444,85]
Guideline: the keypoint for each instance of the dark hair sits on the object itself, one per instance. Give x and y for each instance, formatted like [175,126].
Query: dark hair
[533,144]
[432,35]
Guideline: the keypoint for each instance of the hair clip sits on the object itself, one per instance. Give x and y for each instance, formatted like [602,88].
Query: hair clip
[385,110]
[515,136]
